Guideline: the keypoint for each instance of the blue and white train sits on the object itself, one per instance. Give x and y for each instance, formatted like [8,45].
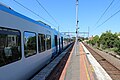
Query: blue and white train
[25,45]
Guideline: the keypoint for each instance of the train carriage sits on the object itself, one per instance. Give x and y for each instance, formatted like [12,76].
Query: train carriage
[25,45]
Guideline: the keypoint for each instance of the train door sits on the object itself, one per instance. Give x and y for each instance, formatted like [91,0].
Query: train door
[56,43]
[62,42]
[59,45]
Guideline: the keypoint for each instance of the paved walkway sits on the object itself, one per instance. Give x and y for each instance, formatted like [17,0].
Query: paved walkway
[73,70]
[78,66]
[86,69]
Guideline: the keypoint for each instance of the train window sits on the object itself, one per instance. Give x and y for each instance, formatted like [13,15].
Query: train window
[48,41]
[10,46]
[30,47]
[41,42]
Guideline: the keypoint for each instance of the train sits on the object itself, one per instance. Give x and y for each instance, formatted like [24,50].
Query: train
[26,45]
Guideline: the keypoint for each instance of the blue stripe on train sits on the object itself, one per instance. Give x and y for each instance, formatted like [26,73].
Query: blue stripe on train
[3,8]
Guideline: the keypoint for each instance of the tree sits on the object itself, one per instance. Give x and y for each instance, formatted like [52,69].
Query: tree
[107,40]
[95,41]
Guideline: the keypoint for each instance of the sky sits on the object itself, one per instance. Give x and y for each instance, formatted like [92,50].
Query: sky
[64,12]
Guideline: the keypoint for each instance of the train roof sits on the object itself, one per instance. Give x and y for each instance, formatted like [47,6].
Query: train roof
[11,11]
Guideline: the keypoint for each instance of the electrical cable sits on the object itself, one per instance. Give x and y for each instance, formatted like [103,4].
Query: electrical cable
[108,19]
[32,12]
[47,12]
[104,12]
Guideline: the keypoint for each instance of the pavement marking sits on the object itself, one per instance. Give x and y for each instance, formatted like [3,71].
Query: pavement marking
[99,72]
[84,74]
[62,77]
[89,68]
[87,73]
[92,69]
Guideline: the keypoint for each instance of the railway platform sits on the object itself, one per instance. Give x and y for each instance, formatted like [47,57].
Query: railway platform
[81,65]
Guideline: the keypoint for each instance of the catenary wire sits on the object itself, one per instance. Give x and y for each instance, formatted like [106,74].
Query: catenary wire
[33,12]
[104,12]
[47,12]
[108,19]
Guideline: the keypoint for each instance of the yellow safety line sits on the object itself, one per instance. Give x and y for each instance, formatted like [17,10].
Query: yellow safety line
[92,69]
[86,68]
[88,77]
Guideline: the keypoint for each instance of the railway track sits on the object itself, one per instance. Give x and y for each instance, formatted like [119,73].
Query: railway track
[56,72]
[113,72]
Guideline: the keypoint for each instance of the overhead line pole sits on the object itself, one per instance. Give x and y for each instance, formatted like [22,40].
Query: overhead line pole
[76,19]
[76,25]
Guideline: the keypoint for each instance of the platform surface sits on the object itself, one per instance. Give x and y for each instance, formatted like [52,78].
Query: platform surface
[73,71]
[83,66]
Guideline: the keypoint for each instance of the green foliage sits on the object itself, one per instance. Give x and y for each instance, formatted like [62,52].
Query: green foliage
[107,40]
[94,41]
[117,43]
